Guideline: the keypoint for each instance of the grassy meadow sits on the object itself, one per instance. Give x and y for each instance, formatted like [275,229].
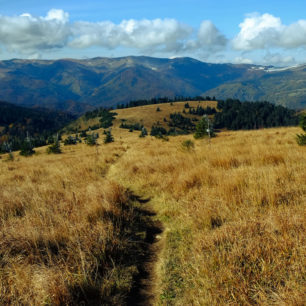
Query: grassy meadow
[231,211]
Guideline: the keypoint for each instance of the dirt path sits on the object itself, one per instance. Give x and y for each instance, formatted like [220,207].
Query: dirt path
[144,284]
[143,292]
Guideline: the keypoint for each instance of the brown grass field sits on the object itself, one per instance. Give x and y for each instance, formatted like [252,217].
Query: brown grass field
[146,115]
[232,212]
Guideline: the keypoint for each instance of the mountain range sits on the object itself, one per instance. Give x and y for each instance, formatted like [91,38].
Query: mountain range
[77,86]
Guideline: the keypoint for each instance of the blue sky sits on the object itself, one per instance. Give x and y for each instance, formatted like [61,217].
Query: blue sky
[259,32]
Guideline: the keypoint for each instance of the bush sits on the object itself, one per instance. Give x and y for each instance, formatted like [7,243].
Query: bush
[83,134]
[27,149]
[71,141]
[158,131]
[10,157]
[144,132]
[108,137]
[204,128]
[301,139]
[55,148]
[91,140]
[188,144]
[303,122]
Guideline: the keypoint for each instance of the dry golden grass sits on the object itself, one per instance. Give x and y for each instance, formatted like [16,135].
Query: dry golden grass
[65,230]
[147,115]
[233,212]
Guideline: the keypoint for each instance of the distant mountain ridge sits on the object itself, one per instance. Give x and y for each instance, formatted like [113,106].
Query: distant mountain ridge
[80,85]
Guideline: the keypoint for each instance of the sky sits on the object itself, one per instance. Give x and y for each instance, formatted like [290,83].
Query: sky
[264,32]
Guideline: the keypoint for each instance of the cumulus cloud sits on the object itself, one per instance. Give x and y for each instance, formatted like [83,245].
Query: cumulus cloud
[278,59]
[167,34]
[209,35]
[266,31]
[32,36]
[27,34]
[208,39]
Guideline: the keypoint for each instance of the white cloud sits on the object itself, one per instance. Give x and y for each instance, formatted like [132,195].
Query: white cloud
[27,34]
[242,60]
[166,34]
[262,38]
[278,59]
[209,40]
[267,31]
[209,35]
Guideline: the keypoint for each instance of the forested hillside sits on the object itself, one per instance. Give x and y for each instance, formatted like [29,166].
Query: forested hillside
[81,85]
[16,123]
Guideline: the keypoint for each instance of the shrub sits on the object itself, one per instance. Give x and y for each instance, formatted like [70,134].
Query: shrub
[301,139]
[71,140]
[158,131]
[83,134]
[54,148]
[204,128]
[303,122]
[91,140]
[27,149]
[108,137]
[144,132]
[10,157]
[188,144]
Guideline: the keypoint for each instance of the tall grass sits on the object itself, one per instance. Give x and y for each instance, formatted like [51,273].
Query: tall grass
[234,212]
[67,234]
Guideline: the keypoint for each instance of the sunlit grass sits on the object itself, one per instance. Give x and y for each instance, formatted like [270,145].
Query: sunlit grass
[233,211]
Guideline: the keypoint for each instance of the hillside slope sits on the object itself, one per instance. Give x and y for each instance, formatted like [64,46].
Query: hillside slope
[285,87]
[232,212]
[77,85]
[16,122]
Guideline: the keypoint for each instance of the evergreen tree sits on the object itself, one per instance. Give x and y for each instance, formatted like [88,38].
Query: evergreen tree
[303,122]
[83,134]
[108,137]
[54,148]
[144,132]
[27,147]
[204,128]
[91,140]
[70,140]
[301,138]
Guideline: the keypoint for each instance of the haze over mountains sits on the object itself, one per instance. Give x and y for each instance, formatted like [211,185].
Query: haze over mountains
[80,85]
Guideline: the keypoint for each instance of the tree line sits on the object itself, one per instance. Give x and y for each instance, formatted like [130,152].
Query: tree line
[237,115]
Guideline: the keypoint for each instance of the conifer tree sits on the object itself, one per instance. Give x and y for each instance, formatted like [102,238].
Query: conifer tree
[108,137]
[204,128]
[91,139]
[301,138]
[143,132]
[27,147]
[55,148]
